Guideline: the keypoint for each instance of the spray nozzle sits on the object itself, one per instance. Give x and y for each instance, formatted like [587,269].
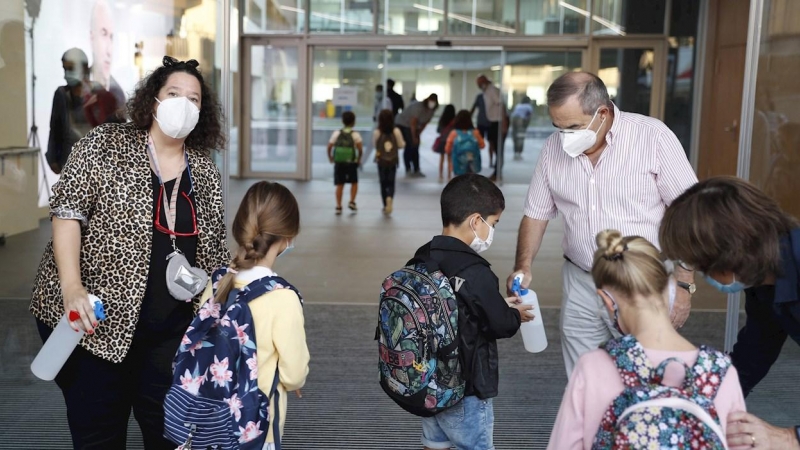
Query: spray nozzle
[516,285]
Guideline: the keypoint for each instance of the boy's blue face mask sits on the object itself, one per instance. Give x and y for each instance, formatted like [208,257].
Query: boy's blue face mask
[732,288]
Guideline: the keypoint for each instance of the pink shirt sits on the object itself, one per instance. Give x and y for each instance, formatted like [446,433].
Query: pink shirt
[595,383]
[641,171]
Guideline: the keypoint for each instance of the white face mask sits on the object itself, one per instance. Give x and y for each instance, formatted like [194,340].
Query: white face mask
[177,116]
[480,245]
[577,142]
[432,105]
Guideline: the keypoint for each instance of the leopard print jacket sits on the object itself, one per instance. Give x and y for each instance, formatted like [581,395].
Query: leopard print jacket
[106,185]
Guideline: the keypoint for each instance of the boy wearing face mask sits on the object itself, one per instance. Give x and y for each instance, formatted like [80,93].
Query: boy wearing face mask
[471,208]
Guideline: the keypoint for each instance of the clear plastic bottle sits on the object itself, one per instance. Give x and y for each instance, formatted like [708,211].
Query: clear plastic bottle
[533,335]
[60,344]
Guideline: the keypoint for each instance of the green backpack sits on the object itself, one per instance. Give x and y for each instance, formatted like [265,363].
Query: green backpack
[344,150]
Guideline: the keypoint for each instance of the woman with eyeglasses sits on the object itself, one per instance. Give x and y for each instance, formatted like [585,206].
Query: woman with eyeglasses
[137,221]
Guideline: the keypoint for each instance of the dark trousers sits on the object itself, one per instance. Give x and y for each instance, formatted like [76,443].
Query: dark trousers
[100,394]
[411,152]
[519,127]
[387,176]
[760,341]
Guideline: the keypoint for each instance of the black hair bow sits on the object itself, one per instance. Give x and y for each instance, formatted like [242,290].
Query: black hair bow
[169,61]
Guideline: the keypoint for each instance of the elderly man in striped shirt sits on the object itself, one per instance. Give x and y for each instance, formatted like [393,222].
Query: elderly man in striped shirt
[604,168]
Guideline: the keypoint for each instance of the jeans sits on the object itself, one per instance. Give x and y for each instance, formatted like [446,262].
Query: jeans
[467,426]
[100,394]
[411,152]
[387,176]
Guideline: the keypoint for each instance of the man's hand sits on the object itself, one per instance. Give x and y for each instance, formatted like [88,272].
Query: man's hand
[526,280]
[748,431]
[525,312]
[681,308]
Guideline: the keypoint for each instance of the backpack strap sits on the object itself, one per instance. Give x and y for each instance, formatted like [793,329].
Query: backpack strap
[276,423]
[632,364]
[708,372]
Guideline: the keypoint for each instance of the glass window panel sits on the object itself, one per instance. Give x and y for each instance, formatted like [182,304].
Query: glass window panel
[333,69]
[273,114]
[526,78]
[274,16]
[411,16]
[539,17]
[485,17]
[628,75]
[679,100]
[622,17]
[775,157]
[338,16]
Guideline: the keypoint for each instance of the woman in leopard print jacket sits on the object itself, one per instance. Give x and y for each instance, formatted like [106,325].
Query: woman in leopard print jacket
[114,217]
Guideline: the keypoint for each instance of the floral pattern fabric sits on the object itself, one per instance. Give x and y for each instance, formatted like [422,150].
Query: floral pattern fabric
[215,399]
[661,427]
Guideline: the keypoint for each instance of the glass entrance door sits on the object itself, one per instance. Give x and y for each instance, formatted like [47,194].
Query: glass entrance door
[634,74]
[273,101]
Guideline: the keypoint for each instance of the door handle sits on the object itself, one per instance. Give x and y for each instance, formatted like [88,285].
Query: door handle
[732,128]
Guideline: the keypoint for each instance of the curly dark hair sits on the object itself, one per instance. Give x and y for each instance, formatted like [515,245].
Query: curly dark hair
[207,135]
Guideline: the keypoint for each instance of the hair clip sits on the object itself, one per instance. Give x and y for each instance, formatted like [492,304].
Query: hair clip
[614,257]
[169,61]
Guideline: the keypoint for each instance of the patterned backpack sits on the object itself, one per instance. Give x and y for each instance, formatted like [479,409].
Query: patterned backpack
[417,338]
[648,414]
[466,153]
[214,400]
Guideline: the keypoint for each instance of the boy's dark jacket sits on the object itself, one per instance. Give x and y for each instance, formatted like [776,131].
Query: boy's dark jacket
[483,314]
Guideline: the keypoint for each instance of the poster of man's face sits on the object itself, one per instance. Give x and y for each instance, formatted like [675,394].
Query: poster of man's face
[101,35]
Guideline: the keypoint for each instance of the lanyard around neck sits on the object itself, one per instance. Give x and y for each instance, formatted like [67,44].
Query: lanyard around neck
[170,205]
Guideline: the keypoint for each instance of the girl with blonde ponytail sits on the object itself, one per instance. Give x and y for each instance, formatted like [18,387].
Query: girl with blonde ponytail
[265,226]
[632,281]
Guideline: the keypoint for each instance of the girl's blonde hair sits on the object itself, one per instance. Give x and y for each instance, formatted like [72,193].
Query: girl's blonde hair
[630,265]
[267,215]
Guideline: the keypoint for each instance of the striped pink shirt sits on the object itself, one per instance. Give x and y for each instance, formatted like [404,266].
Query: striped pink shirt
[641,171]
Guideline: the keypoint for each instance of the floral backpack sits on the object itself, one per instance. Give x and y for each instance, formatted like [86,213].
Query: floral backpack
[214,400]
[648,414]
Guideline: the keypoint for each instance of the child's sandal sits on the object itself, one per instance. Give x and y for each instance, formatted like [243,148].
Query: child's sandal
[338,210]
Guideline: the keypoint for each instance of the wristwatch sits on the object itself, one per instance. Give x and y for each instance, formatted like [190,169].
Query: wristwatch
[690,287]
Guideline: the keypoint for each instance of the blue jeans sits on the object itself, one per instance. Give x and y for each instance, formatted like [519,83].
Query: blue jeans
[468,426]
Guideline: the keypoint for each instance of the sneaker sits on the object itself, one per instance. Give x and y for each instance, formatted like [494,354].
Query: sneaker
[517,157]
[419,174]
[338,210]
[388,209]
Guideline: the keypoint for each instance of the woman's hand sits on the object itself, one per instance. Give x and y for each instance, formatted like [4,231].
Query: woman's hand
[748,431]
[76,300]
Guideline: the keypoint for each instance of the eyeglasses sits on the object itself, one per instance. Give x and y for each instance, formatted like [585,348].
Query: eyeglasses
[166,230]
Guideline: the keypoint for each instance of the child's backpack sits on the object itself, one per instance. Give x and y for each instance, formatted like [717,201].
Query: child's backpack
[214,401]
[440,144]
[648,414]
[344,149]
[466,153]
[417,338]
[387,151]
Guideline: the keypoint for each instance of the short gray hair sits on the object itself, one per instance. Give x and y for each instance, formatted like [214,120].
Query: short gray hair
[590,89]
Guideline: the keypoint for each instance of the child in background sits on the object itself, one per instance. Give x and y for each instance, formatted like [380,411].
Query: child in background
[467,143]
[388,140]
[265,227]
[446,123]
[344,152]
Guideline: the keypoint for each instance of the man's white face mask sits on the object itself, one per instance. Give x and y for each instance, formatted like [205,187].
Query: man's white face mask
[578,141]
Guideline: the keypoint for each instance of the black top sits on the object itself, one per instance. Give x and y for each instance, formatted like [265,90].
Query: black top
[161,312]
[483,314]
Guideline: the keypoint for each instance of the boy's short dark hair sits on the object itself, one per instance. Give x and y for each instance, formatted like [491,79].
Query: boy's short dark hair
[348,118]
[468,194]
